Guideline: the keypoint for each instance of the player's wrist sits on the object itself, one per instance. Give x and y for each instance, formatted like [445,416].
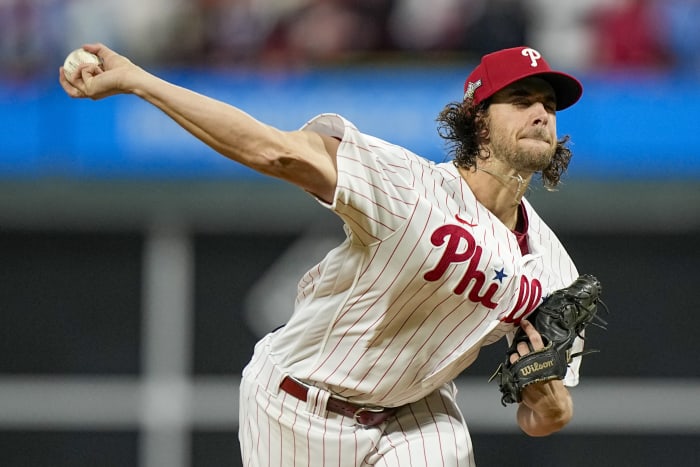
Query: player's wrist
[141,83]
[550,400]
[546,416]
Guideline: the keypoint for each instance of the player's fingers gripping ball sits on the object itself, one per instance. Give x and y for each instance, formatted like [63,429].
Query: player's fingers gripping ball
[77,58]
[559,320]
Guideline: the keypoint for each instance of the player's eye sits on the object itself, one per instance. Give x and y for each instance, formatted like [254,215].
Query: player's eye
[549,106]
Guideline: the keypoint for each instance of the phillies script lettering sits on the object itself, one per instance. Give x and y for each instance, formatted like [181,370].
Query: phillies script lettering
[460,247]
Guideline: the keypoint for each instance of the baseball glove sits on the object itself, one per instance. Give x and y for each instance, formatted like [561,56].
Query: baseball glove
[559,319]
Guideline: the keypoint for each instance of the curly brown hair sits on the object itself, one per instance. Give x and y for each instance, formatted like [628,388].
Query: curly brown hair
[465,129]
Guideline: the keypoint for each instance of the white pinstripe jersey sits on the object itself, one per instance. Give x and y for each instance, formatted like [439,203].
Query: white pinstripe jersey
[424,279]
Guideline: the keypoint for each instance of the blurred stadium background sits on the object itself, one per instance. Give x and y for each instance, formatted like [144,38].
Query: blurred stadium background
[138,267]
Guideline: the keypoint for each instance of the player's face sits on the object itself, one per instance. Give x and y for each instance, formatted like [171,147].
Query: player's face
[522,125]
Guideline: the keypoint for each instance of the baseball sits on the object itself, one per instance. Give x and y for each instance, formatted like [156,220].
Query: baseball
[77,58]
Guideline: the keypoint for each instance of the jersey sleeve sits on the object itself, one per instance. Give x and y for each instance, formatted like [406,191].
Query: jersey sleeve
[572,374]
[376,188]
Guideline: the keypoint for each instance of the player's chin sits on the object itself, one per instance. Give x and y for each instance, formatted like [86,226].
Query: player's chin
[536,160]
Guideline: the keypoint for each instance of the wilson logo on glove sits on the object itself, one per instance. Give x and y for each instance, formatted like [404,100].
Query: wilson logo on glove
[535,367]
[559,320]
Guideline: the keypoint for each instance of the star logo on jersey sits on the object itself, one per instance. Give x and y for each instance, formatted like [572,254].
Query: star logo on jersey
[500,275]
[462,252]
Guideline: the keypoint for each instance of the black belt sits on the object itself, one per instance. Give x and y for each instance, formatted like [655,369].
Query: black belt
[363,415]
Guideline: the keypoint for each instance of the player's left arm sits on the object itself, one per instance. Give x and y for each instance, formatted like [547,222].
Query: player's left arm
[546,407]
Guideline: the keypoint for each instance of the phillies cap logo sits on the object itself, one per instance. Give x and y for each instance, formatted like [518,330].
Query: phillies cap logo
[533,54]
[504,67]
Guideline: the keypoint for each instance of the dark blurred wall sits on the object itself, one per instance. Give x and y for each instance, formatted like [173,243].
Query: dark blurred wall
[73,309]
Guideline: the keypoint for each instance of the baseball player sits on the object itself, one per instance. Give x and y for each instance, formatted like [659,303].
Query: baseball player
[439,260]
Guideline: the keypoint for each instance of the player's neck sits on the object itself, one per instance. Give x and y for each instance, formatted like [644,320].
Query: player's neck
[499,191]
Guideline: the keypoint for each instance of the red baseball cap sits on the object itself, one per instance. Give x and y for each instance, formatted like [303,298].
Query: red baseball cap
[500,69]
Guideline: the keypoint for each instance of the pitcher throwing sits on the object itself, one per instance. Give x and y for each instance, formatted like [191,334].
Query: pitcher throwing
[439,260]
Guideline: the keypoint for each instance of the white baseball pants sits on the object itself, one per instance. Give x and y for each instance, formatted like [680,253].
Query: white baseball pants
[276,429]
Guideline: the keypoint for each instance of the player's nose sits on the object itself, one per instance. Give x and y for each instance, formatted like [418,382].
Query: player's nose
[539,113]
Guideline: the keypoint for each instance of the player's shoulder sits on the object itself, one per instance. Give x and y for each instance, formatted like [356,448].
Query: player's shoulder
[329,124]
[533,216]
[540,233]
[337,126]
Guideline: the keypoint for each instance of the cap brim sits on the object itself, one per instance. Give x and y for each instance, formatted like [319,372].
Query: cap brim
[567,88]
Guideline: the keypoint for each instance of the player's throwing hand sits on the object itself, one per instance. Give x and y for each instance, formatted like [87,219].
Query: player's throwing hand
[97,81]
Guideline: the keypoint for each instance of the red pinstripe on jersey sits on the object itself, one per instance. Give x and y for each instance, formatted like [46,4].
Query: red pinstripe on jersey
[426,277]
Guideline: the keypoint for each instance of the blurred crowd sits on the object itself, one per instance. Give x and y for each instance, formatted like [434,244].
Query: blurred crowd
[662,35]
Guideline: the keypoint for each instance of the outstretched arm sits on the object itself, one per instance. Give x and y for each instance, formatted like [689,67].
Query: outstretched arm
[547,406]
[304,158]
